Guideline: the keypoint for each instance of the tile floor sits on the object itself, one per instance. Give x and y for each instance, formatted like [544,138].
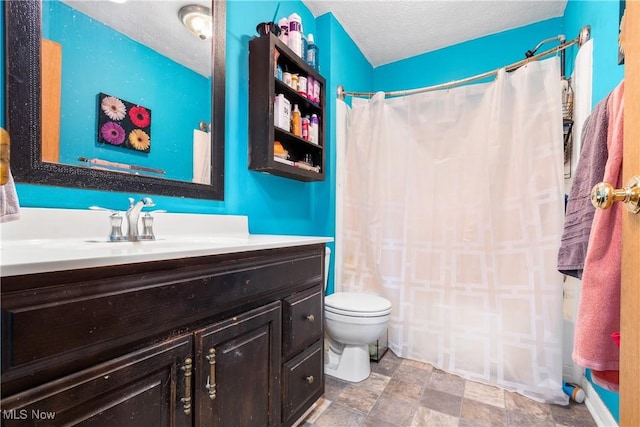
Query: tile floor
[402,392]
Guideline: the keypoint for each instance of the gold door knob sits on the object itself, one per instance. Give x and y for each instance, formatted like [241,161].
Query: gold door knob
[311,318]
[310,379]
[603,195]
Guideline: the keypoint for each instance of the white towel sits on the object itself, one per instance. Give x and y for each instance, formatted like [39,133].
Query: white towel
[201,157]
[9,203]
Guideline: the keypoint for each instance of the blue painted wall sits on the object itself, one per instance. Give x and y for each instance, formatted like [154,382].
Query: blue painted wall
[465,59]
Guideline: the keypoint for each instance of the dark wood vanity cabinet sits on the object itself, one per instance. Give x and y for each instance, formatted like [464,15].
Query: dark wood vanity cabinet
[233,339]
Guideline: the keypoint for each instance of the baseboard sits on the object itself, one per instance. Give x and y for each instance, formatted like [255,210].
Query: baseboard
[596,406]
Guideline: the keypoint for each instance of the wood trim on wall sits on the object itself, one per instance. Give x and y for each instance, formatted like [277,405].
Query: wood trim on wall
[51,92]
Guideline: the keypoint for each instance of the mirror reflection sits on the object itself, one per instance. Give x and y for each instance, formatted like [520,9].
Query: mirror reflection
[126,87]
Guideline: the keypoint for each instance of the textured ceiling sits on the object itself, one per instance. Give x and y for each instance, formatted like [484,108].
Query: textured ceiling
[384,30]
[154,23]
[387,31]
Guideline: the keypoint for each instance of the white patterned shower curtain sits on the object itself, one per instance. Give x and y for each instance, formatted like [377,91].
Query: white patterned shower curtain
[453,210]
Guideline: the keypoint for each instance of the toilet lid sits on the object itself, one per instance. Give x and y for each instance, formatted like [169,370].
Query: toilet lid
[361,304]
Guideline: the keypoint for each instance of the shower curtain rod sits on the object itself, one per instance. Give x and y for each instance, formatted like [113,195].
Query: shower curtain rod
[585,33]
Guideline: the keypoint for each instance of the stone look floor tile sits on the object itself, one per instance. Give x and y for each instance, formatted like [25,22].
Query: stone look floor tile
[484,393]
[403,393]
[333,387]
[384,367]
[375,383]
[394,411]
[412,375]
[321,405]
[337,415]
[442,402]
[404,390]
[483,414]
[428,417]
[520,419]
[574,414]
[359,398]
[446,382]
[375,422]
[417,364]
[517,403]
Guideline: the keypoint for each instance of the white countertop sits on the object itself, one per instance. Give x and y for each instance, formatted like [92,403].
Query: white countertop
[46,240]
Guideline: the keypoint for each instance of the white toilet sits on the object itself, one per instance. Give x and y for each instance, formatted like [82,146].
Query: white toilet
[352,322]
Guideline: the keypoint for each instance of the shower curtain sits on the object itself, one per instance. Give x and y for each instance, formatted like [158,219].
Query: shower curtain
[453,210]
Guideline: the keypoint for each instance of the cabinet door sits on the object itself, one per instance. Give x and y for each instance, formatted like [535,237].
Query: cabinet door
[237,370]
[143,388]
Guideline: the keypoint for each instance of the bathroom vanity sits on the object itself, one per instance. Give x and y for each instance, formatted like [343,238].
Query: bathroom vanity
[212,330]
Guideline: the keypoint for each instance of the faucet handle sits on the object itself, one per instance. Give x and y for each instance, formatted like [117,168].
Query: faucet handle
[115,220]
[100,208]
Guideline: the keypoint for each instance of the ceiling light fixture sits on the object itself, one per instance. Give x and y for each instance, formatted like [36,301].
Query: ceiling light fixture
[198,21]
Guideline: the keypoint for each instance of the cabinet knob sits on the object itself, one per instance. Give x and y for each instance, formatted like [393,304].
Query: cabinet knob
[310,379]
[311,318]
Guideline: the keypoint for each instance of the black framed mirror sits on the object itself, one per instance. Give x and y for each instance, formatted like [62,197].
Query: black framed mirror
[24,118]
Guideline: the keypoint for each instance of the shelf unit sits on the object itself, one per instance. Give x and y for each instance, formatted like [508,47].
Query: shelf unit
[263,88]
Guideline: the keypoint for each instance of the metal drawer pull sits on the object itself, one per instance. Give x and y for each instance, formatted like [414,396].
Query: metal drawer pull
[186,400]
[211,381]
[310,379]
[311,318]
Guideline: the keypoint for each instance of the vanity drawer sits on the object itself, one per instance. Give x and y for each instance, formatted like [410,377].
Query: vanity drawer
[302,323]
[302,382]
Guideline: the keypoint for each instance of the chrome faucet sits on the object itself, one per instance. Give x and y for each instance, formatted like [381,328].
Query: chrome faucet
[133,216]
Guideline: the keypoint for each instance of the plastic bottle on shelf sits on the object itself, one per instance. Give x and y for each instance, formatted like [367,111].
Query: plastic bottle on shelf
[312,53]
[313,129]
[296,121]
[305,127]
[316,91]
[303,49]
[283,23]
[295,34]
[309,94]
[302,86]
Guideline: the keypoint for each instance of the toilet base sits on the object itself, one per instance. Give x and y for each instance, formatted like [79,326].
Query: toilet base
[352,365]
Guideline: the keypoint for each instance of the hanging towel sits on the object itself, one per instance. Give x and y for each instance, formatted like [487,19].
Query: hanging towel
[599,305]
[580,211]
[9,203]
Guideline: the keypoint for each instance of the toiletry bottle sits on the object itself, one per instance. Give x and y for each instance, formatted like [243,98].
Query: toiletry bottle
[313,129]
[304,48]
[302,85]
[296,121]
[316,91]
[312,53]
[295,34]
[309,94]
[305,128]
[283,23]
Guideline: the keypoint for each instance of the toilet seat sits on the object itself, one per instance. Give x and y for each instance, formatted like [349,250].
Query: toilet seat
[357,304]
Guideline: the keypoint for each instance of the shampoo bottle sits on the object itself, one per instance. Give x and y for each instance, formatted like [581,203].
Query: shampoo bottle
[296,121]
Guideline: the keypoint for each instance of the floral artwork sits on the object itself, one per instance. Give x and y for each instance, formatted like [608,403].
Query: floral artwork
[123,124]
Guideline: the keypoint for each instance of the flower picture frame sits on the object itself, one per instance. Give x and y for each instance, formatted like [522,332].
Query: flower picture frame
[123,124]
